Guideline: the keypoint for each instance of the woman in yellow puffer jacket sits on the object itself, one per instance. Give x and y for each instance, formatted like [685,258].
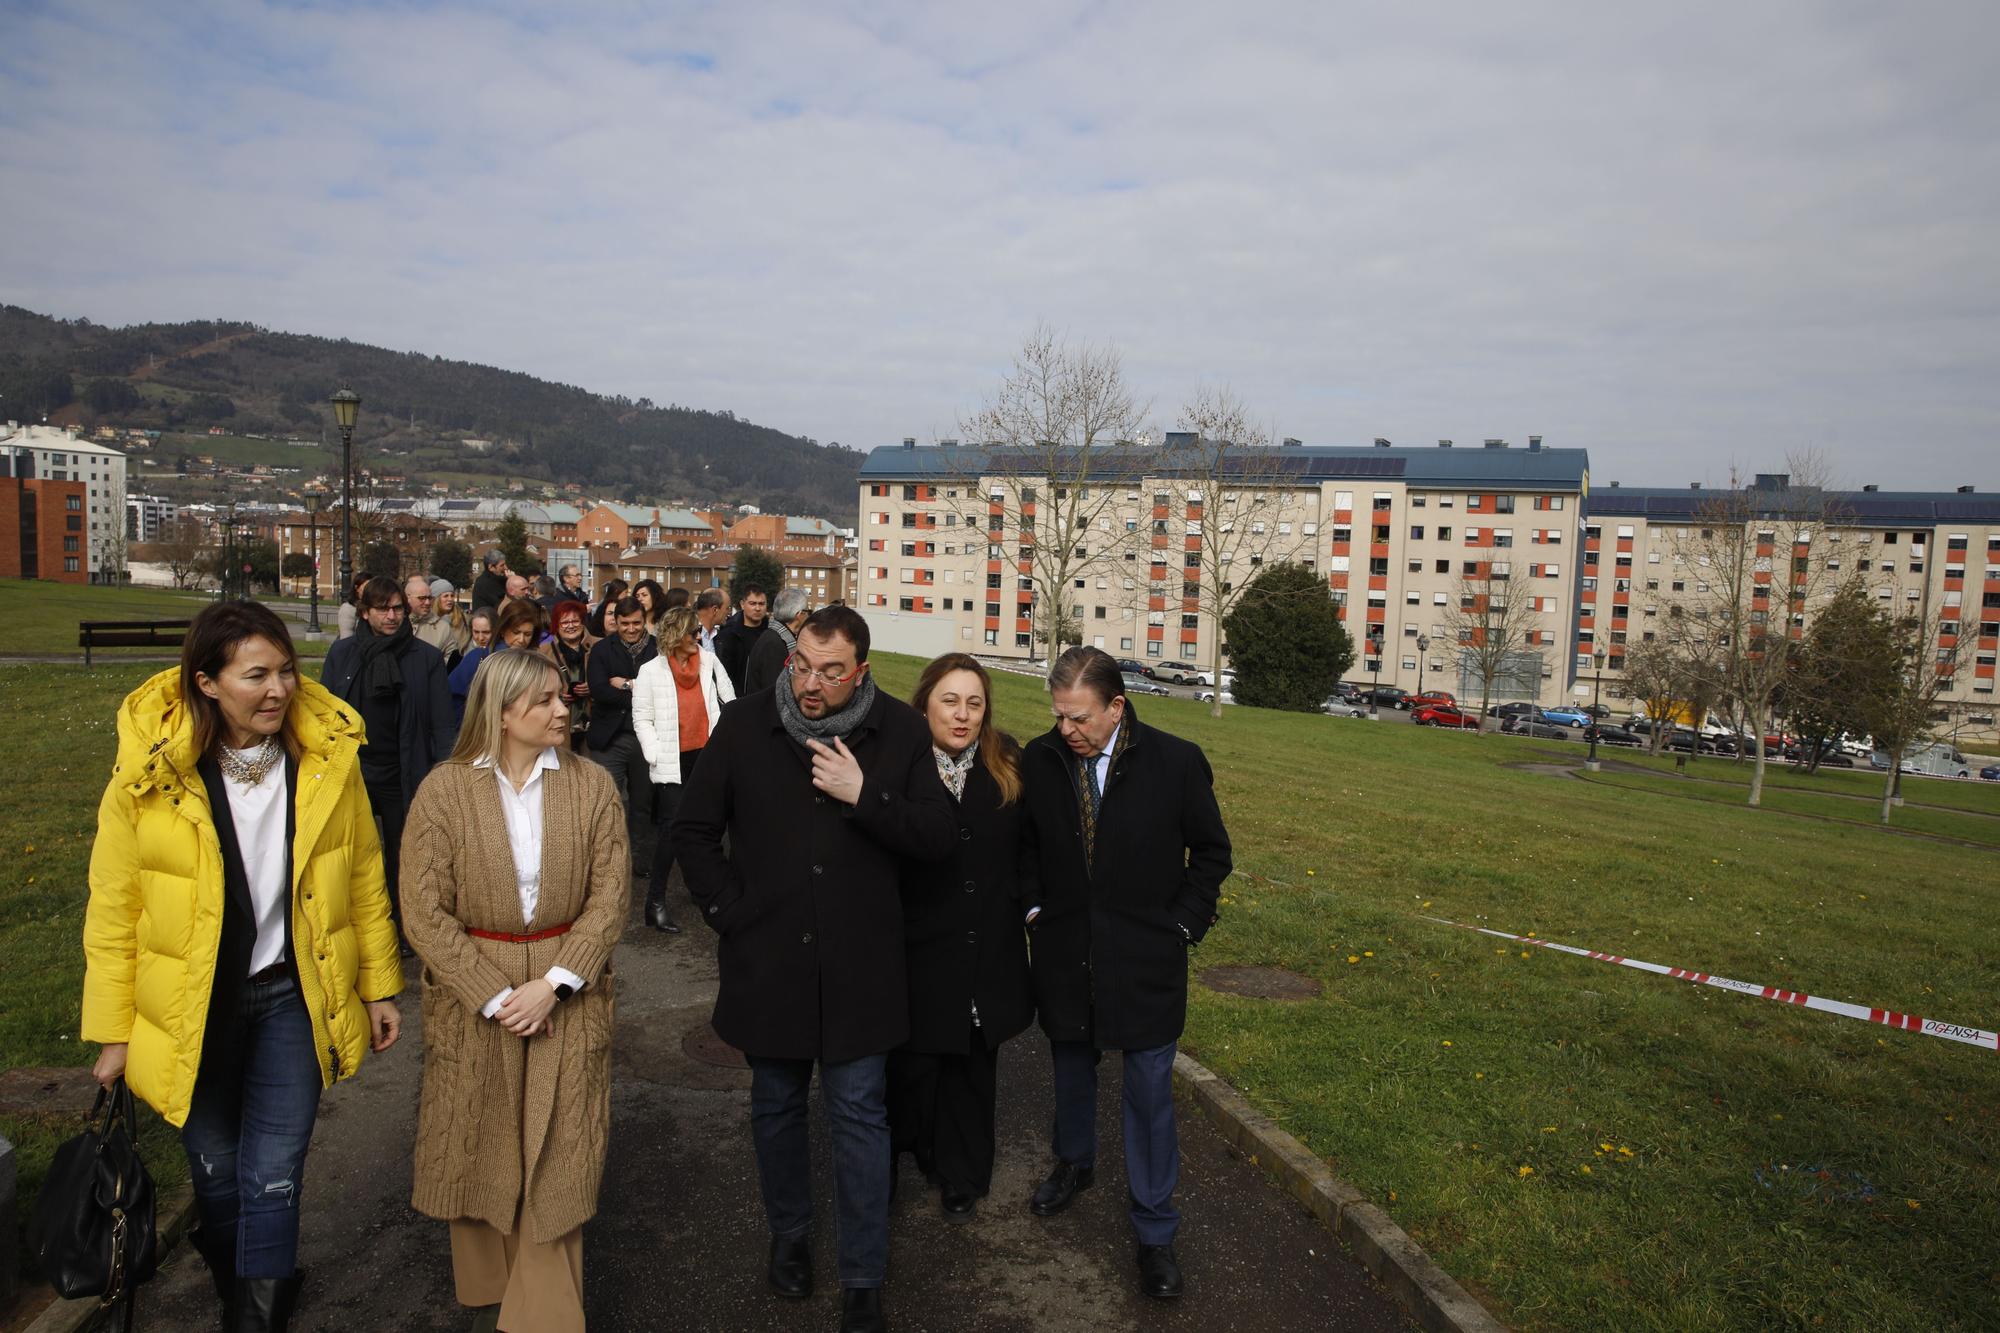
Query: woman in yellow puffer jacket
[239,951]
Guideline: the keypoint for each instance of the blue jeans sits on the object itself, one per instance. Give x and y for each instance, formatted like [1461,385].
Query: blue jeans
[255,1099]
[856,1094]
[1152,1141]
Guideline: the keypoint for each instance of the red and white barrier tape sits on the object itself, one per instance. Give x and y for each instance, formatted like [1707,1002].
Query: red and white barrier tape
[1929,1027]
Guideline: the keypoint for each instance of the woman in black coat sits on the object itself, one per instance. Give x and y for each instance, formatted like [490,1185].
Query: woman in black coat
[966,948]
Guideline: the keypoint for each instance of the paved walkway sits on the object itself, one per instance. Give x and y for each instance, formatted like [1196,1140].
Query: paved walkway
[679,1240]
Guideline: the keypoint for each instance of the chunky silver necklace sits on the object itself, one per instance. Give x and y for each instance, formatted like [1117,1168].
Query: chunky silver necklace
[250,767]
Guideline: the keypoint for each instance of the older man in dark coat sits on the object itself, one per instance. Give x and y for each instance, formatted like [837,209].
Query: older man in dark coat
[1126,851]
[822,785]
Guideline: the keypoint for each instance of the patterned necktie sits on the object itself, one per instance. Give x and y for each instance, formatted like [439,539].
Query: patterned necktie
[1087,784]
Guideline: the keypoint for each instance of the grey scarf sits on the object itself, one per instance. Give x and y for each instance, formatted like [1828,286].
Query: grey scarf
[802,728]
[790,639]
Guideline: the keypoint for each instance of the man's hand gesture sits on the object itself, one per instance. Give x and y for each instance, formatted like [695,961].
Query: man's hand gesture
[836,771]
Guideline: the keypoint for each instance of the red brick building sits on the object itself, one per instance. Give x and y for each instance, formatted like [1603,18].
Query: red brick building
[42,532]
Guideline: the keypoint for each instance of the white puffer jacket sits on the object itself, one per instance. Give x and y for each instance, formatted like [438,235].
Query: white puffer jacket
[656,711]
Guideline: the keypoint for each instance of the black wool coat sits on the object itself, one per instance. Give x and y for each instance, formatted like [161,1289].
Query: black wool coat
[806,897]
[1110,958]
[962,928]
[426,722]
[611,709]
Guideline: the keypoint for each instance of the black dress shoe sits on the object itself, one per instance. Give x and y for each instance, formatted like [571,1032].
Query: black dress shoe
[791,1267]
[657,918]
[957,1207]
[1159,1271]
[861,1310]
[1059,1191]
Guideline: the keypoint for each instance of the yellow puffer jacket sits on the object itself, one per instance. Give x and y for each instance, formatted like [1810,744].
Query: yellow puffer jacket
[154,924]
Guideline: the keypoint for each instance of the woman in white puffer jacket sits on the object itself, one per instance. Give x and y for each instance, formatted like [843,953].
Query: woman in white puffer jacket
[677,698]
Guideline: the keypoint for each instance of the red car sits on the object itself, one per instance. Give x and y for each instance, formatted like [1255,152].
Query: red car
[1443,715]
[1432,699]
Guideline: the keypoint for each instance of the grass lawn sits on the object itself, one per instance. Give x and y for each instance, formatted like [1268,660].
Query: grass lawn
[41,617]
[1586,1146]
[1859,784]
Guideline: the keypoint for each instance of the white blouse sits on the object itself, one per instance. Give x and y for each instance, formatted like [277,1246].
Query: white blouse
[259,815]
[522,811]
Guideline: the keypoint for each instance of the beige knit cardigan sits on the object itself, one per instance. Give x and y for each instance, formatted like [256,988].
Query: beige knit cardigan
[505,1121]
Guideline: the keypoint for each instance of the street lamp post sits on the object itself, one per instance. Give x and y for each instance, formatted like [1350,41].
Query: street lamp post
[1423,647]
[1375,690]
[346,407]
[312,525]
[1597,695]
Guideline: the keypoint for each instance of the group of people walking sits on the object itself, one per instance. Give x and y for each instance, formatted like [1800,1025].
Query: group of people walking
[897,888]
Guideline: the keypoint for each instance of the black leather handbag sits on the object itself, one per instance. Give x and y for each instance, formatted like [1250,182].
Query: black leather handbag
[93,1231]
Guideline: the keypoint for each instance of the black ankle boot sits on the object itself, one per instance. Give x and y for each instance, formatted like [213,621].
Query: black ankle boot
[263,1304]
[656,912]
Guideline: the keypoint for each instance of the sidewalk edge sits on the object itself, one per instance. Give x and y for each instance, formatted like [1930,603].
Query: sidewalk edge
[1434,1299]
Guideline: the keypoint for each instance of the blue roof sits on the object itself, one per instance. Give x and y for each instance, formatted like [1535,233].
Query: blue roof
[1556,468]
[1908,508]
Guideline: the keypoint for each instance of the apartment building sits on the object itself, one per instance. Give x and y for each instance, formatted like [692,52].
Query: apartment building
[51,453]
[1396,532]
[627,526]
[1927,553]
[147,517]
[41,529]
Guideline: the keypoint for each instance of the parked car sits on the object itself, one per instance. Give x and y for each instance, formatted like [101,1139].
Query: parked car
[1138,684]
[1991,772]
[1335,706]
[1431,697]
[1566,717]
[1393,696]
[1599,711]
[1521,724]
[1179,675]
[1208,697]
[1513,709]
[1133,666]
[1444,715]
[1347,691]
[1608,734]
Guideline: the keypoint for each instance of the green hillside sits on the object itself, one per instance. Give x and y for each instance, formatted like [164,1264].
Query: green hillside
[417,411]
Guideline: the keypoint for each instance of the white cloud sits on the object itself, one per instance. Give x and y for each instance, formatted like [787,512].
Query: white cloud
[1681,239]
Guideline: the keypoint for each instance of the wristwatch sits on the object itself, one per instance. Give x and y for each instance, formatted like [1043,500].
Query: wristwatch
[564,990]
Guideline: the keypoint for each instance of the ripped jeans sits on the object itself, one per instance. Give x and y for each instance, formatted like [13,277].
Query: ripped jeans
[246,1134]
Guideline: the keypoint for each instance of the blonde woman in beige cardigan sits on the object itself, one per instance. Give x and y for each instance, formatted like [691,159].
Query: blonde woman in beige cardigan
[515,925]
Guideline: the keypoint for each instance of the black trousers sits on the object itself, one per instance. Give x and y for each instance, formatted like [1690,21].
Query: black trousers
[385,798]
[667,804]
[941,1109]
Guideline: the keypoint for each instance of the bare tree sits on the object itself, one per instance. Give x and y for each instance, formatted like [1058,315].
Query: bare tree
[1491,625]
[1241,513]
[1056,447]
[181,547]
[1757,555]
[1653,675]
[1901,712]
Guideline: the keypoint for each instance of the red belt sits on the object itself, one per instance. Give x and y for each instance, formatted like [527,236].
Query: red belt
[505,938]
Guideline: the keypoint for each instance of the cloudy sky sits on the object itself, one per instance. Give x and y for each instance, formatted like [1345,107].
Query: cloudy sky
[1683,236]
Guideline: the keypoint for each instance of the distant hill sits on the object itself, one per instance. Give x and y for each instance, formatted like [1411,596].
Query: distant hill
[416,409]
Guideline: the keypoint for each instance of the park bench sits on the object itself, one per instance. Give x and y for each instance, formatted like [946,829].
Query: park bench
[92,634]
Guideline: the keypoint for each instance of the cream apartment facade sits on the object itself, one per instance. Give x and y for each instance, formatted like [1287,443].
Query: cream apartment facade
[1395,532]
[1935,554]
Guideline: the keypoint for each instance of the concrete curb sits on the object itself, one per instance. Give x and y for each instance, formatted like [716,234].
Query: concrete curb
[175,1215]
[1437,1302]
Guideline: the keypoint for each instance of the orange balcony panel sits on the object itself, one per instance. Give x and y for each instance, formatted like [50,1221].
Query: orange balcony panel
[1990,642]
[1190,635]
[1159,512]
[1378,583]
[1590,543]
[1343,515]
[1022,624]
[1377,615]
[1028,509]
[1336,580]
[1159,541]
[1190,606]
[1156,632]
[1156,603]
[1378,550]
[1624,546]
[992,566]
[1954,585]
[1983,671]
[993,622]
[1343,548]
